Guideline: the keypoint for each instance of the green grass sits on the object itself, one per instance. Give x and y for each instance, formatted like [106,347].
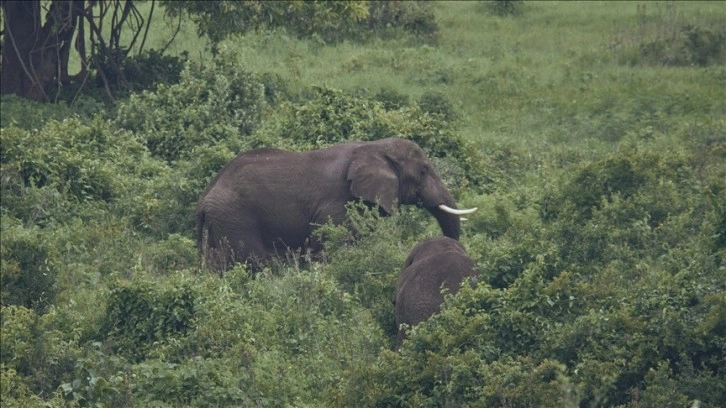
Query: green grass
[510,78]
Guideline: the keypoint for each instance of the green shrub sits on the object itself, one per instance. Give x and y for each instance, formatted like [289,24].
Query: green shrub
[416,18]
[65,155]
[196,382]
[28,266]
[140,72]
[40,356]
[141,313]
[15,391]
[172,254]
[218,104]
[472,353]
[692,45]
[627,206]
[276,339]
[29,115]
[277,88]
[391,99]
[196,127]
[436,103]
[97,380]
[54,172]
[18,323]
[327,22]
[580,344]
[503,8]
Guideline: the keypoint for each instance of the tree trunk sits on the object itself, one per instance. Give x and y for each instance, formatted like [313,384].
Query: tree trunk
[34,55]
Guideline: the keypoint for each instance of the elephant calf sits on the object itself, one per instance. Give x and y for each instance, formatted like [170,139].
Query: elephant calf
[268,201]
[433,264]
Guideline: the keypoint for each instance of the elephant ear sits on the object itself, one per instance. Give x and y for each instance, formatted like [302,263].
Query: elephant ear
[372,177]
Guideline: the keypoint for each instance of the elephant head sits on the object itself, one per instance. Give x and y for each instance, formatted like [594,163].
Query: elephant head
[397,170]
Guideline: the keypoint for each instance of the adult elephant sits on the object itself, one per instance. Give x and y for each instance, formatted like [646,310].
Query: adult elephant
[432,265]
[267,201]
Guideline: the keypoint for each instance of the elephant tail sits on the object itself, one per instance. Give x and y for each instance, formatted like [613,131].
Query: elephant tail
[202,232]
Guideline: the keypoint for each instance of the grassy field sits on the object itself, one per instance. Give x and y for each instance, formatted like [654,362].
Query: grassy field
[591,135]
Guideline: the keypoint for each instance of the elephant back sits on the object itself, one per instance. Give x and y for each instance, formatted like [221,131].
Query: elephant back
[433,265]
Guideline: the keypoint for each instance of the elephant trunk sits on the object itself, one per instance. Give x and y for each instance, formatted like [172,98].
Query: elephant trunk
[450,223]
[440,203]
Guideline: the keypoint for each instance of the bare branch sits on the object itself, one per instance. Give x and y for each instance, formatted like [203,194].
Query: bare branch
[176,31]
[146,30]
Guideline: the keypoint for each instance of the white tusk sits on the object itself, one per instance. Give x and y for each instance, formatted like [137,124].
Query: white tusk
[450,210]
[463,219]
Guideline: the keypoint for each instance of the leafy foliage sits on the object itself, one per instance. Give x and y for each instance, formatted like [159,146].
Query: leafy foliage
[326,21]
[139,315]
[27,271]
[140,72]
[195,126]
[19,112]
[210,105]
[364,263]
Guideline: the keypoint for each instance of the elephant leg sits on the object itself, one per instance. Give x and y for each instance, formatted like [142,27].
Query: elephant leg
[235,241]
[250,246]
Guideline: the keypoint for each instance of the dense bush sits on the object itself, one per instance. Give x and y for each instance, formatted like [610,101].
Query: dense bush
[415,18]
[693,45]
[82,161]
[196,126]
[437,104]
[140,72]
[27,267]
[363,260]
[36,357]
[139,315]
[219,103]
[323,22]
[621,206]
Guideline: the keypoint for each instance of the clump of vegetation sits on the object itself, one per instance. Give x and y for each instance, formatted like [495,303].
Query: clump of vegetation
[385,18]
[504,8]
[19,112]
[140,314]
[137,73]
[210,105]
[27,268]
[664,37]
